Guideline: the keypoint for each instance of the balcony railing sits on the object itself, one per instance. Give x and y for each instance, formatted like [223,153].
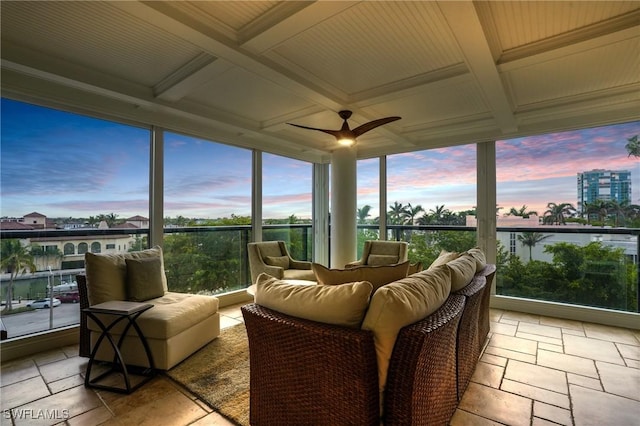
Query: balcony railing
[594,267]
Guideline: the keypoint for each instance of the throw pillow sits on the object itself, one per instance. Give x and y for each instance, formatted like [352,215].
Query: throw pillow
[107,274]
[343,305]
[376,275]
[401,303]
[281,261]
[381,259]
[444,257]
[144,279]
[106,277]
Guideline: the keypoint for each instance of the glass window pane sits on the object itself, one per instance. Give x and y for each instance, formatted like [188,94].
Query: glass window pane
[433,187]
[207,185]
[61,170]
[368,202]
[287,203]
[578,190]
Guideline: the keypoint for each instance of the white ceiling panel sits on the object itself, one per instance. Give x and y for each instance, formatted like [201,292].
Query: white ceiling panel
[597,69]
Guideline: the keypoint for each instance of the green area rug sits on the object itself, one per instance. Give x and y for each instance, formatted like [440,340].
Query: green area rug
[218,374]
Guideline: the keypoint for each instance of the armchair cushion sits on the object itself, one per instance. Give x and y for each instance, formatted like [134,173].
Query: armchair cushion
[339,305]
[144,279]
[376,275]
[280,261]
[401,303]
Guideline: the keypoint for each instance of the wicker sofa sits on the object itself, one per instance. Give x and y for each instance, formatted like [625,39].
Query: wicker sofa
[308,372]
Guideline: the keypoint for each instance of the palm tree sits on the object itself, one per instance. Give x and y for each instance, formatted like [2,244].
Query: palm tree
[522,212]
[618,211]
[530,239]
[16,259]
[395,213]
[363,213]
[557,213]
[438,214]
[409,213]
[633,146]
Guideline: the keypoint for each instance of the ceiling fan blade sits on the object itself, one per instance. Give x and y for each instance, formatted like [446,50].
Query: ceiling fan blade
[334,133]
[372,125]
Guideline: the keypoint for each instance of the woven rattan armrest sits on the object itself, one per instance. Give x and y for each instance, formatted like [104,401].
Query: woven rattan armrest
[305,372]
[422,385]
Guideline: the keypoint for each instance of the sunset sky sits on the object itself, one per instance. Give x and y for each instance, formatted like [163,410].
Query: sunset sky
[66,165]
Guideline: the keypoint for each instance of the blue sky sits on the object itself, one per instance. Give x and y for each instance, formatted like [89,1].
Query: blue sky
[66,165]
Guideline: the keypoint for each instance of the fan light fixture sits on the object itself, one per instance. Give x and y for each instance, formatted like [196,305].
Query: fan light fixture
[346,136]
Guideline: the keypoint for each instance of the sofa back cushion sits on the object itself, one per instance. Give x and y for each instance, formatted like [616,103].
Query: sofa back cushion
[479,256]
[107,274]
[376,275]
[343,305]
[463,268]
[401,303]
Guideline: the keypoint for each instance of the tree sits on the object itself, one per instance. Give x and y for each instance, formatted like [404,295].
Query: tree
[363,213]
[633,146]
[409,213]
[521,212]
[557,213]
[16,259]
[439,214]
[394,216]
[530,239]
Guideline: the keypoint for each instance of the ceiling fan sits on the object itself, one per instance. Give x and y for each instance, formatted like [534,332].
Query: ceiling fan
[346,136]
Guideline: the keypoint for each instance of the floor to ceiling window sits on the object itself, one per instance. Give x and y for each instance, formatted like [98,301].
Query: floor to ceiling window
[64,171]
[287,203]
[576,197]
[433,187]
[207,208]
[368,200]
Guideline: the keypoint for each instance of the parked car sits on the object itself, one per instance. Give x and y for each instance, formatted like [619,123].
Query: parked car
[43,303]
[69,297]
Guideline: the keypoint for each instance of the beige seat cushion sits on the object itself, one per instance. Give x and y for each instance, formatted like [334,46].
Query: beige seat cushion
[107,274]
[376,275]
[171,314]
[340,305]
[402,303]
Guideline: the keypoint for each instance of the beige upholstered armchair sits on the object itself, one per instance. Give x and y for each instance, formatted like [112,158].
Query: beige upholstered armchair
[377,253]
[273,258]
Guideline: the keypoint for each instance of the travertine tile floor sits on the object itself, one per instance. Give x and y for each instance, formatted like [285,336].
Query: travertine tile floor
[535,371]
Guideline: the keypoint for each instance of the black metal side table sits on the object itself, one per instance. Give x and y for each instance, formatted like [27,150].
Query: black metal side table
[122,310]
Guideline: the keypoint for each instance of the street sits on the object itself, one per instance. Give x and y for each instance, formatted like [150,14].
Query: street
[38,320]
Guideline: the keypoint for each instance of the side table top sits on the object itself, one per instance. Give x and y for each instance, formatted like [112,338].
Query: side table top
[118,307]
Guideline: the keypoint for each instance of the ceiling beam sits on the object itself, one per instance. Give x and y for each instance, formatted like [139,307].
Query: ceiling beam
[465,24]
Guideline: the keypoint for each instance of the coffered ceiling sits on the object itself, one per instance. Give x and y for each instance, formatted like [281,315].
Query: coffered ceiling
[238,71]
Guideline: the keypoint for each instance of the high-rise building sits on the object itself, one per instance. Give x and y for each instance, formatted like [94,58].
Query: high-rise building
[605,185]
